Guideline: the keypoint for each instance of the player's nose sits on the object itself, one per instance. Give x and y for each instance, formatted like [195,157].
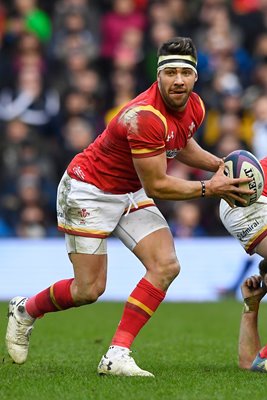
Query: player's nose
[179,79]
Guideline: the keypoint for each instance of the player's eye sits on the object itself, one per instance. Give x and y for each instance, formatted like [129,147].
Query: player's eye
[187,72]
[170,72]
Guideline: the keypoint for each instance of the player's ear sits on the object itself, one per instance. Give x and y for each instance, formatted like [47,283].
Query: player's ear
[196,77]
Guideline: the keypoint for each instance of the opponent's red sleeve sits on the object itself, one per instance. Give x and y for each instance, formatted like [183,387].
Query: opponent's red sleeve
[264,166]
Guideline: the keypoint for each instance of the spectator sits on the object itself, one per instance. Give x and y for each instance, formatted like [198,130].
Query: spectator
[14,135]
[33,223]
[77,133]
[186,221]
[89,9]
[74,36]
[29,100]
[259,140]
[97,55]
[28,52]
[114,23]
[123,89]
[33,19]
[74,103]
[159,32]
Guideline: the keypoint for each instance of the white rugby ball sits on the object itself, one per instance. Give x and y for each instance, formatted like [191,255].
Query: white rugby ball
[243,164]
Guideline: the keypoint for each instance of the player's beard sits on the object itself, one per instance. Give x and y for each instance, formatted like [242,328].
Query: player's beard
[175,103]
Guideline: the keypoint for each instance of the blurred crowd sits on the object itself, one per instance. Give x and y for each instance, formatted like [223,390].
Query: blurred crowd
[67,66]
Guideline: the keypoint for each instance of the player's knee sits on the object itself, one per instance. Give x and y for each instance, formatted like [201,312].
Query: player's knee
[166,272]
[169,268]
[173,269]
[88,294]
[87,297]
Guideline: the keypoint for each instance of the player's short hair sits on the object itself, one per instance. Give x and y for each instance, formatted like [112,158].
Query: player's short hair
[263,267]
[182,46]
[177,52]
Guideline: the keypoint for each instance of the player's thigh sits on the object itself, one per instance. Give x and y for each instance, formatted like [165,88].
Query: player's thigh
[132,228]
[146,233]
[261,248]
[156,250]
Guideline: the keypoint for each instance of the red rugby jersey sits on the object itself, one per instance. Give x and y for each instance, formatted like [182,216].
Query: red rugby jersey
[264,166]
[145,127]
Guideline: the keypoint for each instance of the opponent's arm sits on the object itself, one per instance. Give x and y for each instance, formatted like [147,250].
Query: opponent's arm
[249,341]
[195,156]
[157,184]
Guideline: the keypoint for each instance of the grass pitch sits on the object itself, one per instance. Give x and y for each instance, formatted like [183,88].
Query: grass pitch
[191,349]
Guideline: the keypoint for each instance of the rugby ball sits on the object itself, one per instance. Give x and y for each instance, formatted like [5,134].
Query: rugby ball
[243,164]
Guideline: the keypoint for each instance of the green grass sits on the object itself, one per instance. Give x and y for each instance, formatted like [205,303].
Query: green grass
[191,348]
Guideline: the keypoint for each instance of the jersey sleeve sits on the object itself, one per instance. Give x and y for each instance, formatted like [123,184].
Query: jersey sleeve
[146,131]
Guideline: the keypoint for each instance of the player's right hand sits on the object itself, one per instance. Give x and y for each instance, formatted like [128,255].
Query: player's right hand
[227,188]
[252,287]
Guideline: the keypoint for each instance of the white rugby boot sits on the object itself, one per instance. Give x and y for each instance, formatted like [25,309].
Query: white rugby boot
[117,361]
[19,327]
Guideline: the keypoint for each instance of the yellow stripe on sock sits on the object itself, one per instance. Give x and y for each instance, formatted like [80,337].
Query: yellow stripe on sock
[141,305]
[52,297]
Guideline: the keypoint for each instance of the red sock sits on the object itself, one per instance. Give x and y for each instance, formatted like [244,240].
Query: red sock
[55,298]
[263,352]
[140,306]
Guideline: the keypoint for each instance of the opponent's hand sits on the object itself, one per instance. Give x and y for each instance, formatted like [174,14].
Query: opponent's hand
[253,287]
[227,188]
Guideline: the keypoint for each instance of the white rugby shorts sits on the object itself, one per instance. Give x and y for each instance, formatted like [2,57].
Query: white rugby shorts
[247,224]
[89,215]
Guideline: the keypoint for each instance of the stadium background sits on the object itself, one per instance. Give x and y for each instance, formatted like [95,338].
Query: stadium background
[67,66]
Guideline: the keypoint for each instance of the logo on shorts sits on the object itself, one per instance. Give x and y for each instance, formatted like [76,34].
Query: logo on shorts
[246,231]
[83,213]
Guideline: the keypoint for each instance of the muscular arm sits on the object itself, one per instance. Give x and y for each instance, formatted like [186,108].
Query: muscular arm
[249,341]
[157,184]
[202,159]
